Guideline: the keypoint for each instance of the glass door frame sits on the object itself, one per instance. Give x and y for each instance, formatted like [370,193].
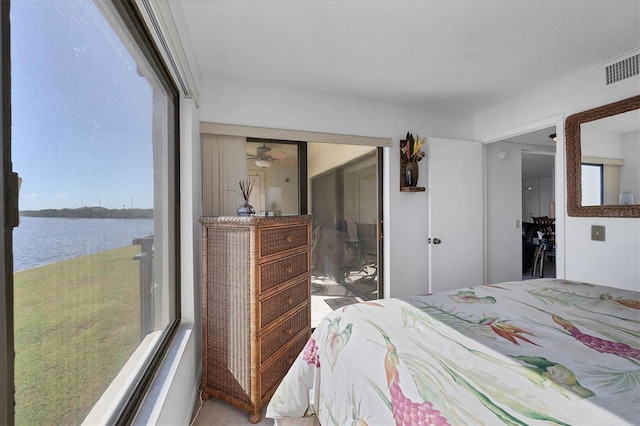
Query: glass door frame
[338,172]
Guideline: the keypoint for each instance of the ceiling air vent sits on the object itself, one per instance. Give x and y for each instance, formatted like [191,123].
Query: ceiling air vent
[624,69]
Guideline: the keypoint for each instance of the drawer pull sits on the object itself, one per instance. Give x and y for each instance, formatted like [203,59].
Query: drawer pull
[289,331]
[290,360]
[289,239]
[289,269]
[290,300]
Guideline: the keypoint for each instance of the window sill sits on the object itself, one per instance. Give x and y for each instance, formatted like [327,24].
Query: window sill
[160,405]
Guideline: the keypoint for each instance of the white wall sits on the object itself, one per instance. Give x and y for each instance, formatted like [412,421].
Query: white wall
[629,173]
[537,201]
[614,261]
[600,143]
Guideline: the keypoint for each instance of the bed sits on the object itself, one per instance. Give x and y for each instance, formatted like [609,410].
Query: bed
[543,351]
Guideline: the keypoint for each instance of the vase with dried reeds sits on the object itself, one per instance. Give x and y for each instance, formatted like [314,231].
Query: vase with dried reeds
[246,209]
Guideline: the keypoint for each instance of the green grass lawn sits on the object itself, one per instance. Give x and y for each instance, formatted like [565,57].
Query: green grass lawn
[76,323]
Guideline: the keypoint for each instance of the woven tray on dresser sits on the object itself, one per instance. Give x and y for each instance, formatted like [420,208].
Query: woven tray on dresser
[255,305]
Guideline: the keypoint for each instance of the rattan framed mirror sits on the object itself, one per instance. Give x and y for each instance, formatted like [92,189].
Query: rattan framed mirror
[576,126]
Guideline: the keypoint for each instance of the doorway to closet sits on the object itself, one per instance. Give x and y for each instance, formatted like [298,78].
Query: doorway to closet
[520,184]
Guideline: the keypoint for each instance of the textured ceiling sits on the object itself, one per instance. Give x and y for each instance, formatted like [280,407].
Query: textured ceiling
[461,55]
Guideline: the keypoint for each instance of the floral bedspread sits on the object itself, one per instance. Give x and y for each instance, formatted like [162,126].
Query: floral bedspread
[532,352]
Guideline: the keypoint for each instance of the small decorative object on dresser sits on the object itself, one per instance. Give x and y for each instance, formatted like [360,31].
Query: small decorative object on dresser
[246,209]
[255,305]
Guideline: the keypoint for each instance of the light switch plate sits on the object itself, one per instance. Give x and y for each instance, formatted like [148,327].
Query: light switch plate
[597,233]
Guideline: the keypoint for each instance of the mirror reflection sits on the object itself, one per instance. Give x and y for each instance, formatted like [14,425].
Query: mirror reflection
[273,166]
[611,160]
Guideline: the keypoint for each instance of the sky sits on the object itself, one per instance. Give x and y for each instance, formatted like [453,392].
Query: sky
[81,114]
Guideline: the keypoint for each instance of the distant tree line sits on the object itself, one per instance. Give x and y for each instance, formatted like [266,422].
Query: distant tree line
[92,212]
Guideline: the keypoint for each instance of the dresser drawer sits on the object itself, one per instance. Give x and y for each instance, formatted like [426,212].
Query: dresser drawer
[272,375]
[276,240]
[279,336]
[276,306]
[275,273]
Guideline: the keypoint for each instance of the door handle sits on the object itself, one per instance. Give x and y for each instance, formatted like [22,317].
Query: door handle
[434,241]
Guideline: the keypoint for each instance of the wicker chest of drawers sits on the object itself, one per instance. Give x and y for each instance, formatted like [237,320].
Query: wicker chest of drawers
[255,305]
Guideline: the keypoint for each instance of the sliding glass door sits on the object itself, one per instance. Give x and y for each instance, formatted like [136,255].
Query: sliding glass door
[346,255]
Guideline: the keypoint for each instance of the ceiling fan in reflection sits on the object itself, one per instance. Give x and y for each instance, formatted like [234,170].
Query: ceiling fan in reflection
[265,156]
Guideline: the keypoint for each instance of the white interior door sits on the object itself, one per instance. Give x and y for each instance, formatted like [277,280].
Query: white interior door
[455,189]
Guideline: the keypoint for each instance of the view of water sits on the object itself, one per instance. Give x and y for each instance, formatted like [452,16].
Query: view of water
[43,240]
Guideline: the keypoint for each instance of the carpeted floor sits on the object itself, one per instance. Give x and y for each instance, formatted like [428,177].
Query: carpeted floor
[218,413]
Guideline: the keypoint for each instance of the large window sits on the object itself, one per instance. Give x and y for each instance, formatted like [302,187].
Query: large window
[95,257]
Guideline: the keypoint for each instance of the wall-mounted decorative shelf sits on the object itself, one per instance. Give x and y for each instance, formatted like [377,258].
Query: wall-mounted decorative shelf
[403,173]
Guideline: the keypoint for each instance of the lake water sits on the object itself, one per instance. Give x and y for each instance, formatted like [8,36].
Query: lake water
[43,240]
